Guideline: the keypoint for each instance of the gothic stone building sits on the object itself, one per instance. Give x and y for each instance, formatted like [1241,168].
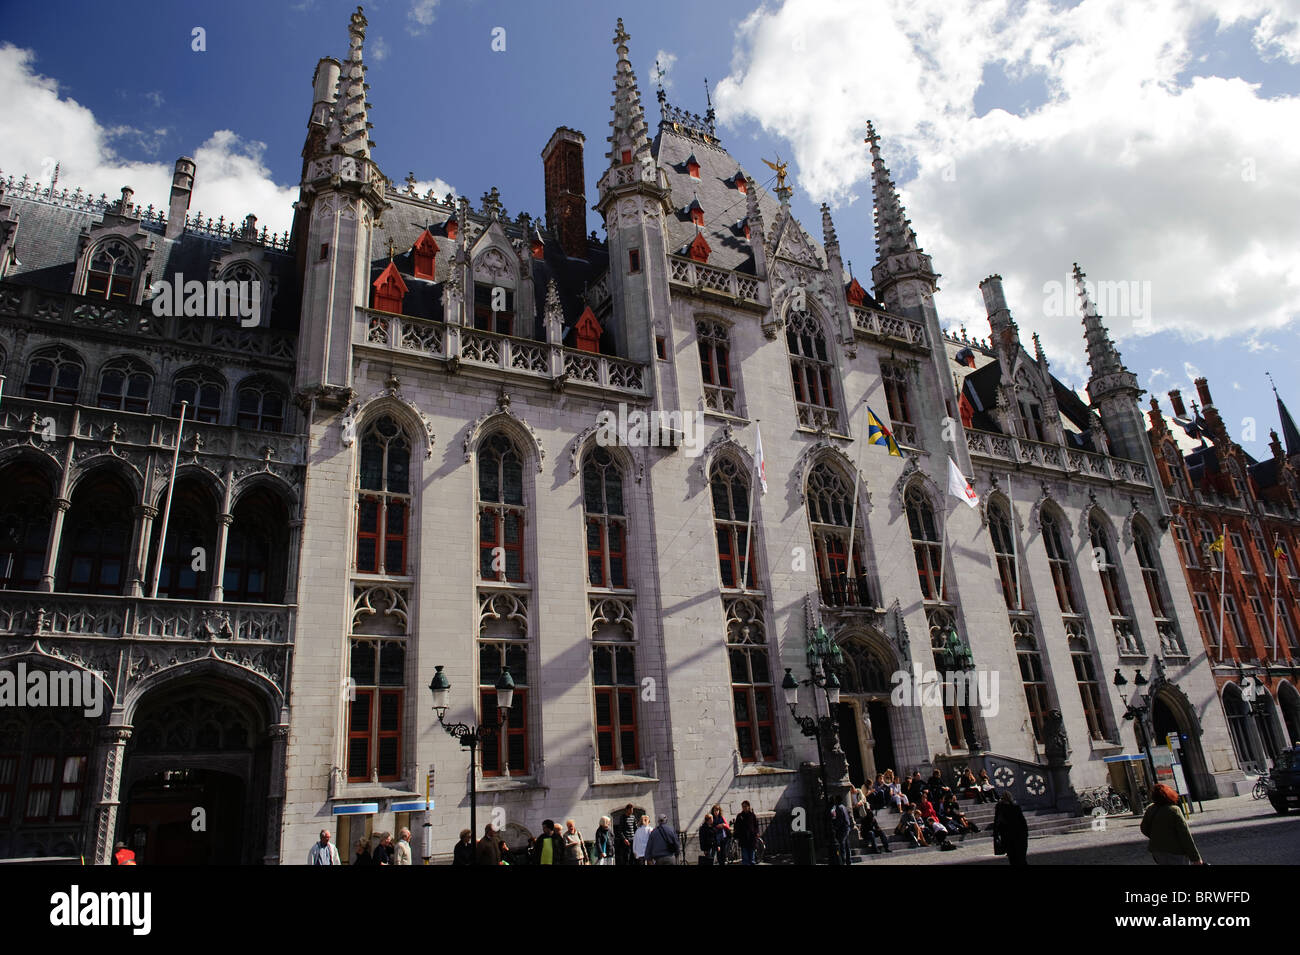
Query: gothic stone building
[189,660]
[464,512]
[1246,593]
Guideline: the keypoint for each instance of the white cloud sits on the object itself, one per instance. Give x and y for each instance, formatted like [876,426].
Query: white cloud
[377,51]
[1128,167]
[440,188]
[421,15]
[39,127]
[1191,371]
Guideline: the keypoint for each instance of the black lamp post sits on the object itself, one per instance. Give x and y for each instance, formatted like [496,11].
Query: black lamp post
[471,736]
[818,727]
[1137,711]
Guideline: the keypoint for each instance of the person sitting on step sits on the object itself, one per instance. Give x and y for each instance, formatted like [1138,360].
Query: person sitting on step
[909,827]
[954,819]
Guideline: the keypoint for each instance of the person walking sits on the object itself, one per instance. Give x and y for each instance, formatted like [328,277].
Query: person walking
[721,835]
[575,849]
[1165,826]
[322,852]
[488,850]
[746,833]
[402,851]
[463,854]
[1010,830]
[662,845]
[626,832]
[604,844]
[640,840]
[383,853]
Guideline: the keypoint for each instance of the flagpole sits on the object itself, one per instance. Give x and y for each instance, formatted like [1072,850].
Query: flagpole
[1223,580]
[853,520]
[1015,550]
[749,534]
[1277,572]
[167,509]
[943,548]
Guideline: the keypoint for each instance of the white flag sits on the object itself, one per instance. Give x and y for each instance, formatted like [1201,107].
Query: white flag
[959,487]
[760,463]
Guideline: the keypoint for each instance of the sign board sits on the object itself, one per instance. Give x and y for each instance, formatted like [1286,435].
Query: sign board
[1164,762]
[1180,779]
[412,805]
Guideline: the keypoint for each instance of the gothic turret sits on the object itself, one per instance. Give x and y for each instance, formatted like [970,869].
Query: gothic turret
[633,199]
[341,197]
[1112,388]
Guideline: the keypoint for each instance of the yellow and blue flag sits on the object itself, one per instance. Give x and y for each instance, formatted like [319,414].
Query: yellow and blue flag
[877,433]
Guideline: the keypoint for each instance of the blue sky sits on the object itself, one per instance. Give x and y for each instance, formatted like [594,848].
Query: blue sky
[1155,142]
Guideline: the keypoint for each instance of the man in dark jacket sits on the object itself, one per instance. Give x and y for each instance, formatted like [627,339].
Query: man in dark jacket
[840,829]
[463,854]
[382,854]
[1010,831]
[746,826]
[488,850]
[663,846]
[869,828]
[914,789]
[623,836]
[549,847]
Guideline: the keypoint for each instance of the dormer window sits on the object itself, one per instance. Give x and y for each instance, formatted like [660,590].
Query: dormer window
[696,212]
[627,157]
[389,290]
[500,320]
[693,166]
[739,182]
[699,249]
[112,271]
[587,332]
[1031,417]
[452,227]
[423,253]
[855,293]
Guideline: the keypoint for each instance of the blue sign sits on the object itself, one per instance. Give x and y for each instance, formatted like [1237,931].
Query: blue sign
[357,809]
[415,805]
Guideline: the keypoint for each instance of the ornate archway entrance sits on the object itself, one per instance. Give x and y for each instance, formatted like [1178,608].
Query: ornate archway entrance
[1172,715]
[867,733]
[196,776]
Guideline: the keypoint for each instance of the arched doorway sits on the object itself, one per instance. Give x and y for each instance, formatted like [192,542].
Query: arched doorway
[864,715]
[1288,699]
[1243,731]
[196,777]
[1173,716]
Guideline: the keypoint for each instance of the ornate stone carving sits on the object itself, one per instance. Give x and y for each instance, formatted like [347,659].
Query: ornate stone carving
[519,424]
[612,612]
[347,423]
[503,605]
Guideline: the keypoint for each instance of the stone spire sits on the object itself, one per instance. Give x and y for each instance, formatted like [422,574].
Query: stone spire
[628,125]
[1289,430]
[1038,353]
[757,231]
[349,128]
[829,240]
[1103,357]
[893,229]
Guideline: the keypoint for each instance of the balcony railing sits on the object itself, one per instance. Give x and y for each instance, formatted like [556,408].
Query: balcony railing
[506,353]
[25,613]
[706,278]
[717,398]
[1053,457]
[138,322]
[889,328]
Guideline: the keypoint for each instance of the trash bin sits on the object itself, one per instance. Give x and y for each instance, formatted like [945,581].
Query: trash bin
[802,849]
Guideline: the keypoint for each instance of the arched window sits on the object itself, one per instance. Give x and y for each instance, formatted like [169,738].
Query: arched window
[25,511]
[245,274]
[261,407]
[730,488]
[926,548]
[751,681]
[97,536]
[830,510]
[1058,560]
[615,685]
[1112,585]
[376,698]
[1151,575]
[124,385]
[894,376]
[111,273]
[383,498]
[191,535]
[715,366]
[811,371]
[257,549]
[54,374]
[501,510]
[48,762]
[1000,530]
[203,390]
[602,500]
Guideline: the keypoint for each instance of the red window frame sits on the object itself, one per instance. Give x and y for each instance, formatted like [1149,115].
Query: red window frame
[1089,693]
[620,705]
[58,388]
[745,699]
[78,786]
[498,745]
[896,398]
[371,701]
[729,556]
[107,285]
[1059,564]
[499,514]
[714,359]
[34,788]
[607,529]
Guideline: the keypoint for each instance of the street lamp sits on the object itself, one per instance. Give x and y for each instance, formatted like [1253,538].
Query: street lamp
[1137,711]
[471,736]
[817,727]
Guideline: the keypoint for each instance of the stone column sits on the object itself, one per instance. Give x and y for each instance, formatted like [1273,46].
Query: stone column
[109,761]
[144,514]
[291,570]
[219,563]
[61,505]
[279,736]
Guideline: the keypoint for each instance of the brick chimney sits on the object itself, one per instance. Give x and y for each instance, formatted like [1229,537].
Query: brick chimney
[566,202]
[1176,399]
[182,189]
[1203,389]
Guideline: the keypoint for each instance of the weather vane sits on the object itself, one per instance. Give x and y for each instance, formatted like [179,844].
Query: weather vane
[780,168]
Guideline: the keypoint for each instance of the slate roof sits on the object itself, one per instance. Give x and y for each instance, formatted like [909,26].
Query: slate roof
[48,235]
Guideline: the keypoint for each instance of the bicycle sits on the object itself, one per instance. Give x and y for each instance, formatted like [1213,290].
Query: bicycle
[1261,789]
[733,851]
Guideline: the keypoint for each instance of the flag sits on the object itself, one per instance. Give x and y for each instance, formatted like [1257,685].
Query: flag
[1217,546]
[1279,553]
[959,487]
[760,462]
[877,433]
